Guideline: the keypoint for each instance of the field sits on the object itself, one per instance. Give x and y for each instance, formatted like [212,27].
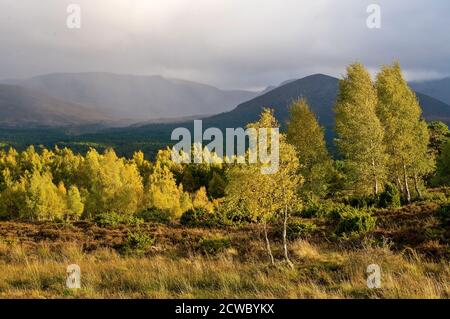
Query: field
[153,260]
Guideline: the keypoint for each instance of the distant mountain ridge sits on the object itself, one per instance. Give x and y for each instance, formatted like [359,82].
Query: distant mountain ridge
[438,89]
[140,98]
[320,91]
[24,108]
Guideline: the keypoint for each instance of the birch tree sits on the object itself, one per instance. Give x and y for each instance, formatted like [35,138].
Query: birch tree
[307,136]
[405,137]
[268,196]
[359,131]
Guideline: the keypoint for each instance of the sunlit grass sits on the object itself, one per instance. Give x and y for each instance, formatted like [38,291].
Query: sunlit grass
[319,273]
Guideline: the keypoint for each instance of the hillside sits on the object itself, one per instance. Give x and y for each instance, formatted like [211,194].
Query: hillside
[320,91]
[24,107]
[439,89]
[139,98]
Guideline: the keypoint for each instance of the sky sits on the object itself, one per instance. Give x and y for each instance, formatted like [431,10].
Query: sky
[231,44]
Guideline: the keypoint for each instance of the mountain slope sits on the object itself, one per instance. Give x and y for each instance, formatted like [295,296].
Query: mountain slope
[439,89]
[320,91]
[23,107]
[137,97]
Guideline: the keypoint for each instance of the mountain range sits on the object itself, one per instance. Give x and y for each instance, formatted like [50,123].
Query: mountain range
[439,89]
[135,98]
[319,90]
[23,107]
[157,105]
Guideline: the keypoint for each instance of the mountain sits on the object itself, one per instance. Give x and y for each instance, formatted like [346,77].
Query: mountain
[439,89]
[271,87]
[267,89]
[21,107]
[320,91]
[139,98]
[150,136]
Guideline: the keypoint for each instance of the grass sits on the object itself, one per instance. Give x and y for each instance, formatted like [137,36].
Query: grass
[169,261]
[319,273]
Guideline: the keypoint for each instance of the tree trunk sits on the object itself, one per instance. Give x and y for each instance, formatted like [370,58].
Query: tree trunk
[405,180]
[416,186]
[269,250]
[375,177]
[399,184]
[286,254]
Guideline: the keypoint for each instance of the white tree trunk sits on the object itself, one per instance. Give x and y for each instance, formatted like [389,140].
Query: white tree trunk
[416,185]
[375,177]
[269,250]
[405,180]
[286,253]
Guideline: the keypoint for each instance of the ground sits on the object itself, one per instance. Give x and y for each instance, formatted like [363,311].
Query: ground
[153,260]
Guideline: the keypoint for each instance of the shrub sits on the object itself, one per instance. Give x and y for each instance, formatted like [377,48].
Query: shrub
[200,217]
[113,219]
[354,222]
[434,196]
[154,215]
[390,198]
[297,229]
[137,243]
[323,209]
[444,213]
[236,217]
[212,246]
[197,217]
[363,201]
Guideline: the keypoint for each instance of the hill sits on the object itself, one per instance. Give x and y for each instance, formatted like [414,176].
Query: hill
[439,89]
[320,91]
[23,107]
[139,98]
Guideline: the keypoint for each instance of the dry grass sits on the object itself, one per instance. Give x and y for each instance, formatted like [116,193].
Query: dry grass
[409,244]
[318,273]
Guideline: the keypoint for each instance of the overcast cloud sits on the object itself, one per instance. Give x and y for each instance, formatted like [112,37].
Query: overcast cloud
[227,43]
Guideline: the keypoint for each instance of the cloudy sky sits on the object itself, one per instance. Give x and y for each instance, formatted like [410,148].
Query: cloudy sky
[227,43]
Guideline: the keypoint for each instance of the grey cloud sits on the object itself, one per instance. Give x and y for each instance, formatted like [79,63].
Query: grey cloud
[228,43]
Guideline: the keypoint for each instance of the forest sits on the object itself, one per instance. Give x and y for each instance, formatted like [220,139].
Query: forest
[388,159]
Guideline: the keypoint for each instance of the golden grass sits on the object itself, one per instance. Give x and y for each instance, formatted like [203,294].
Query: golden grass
[320,272]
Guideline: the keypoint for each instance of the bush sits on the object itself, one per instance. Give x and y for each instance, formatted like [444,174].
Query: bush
[444,213]
[200,217]
[297,229]
[197,217]
[213,246]
[354,222]
[434,196]
[390,198]
[113,219]
[154,215]
[323,209]
[137,243]
[236,217]
[363,201]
